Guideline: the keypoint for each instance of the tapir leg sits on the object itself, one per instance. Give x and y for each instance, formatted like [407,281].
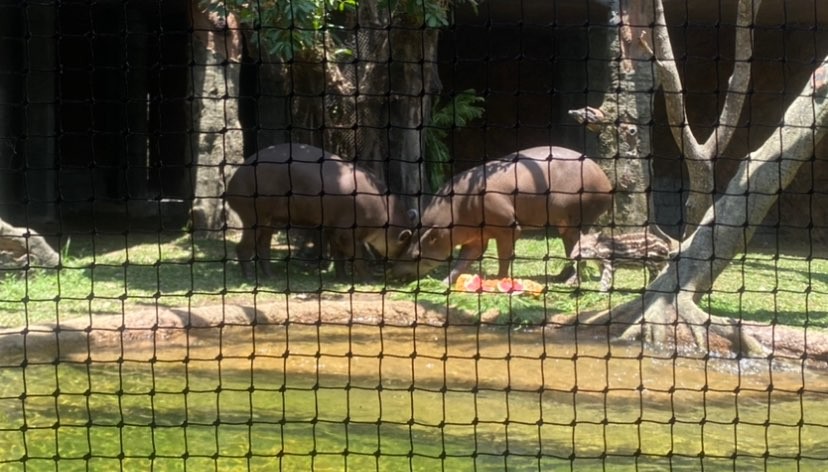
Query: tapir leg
[360,270]
[336,245]
[245,250]
[568,274]
[264,236]
[468,253]
[502,225]
[505,238]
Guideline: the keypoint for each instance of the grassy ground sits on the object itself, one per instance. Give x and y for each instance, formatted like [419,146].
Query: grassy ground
[115,273]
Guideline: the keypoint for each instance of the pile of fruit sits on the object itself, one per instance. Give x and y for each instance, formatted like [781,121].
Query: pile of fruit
[474,283]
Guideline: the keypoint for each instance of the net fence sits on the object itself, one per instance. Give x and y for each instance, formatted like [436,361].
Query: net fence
[413,235]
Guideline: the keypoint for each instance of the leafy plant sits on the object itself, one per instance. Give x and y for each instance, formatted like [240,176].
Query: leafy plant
[459,111]
[285,29]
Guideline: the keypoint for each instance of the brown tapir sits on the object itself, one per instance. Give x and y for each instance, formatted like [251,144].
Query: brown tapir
[530,189]
[300,186]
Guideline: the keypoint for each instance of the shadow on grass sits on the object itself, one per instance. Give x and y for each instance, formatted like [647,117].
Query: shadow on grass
[769,267]
[177,264]
[814,318]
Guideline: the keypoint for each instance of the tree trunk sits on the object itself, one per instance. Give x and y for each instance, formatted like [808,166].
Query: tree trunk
[371,73]
[413,77]
[725,230]
[624,132]
[217,138]
[396,77]
[699,158]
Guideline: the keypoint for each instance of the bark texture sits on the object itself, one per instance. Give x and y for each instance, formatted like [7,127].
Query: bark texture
[668,305]
[217,135]
[622,121]
[393,85]
[699,157]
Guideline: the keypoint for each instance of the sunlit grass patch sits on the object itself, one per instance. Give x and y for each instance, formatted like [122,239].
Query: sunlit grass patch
[538,259]
[781,289]
[113,274]
[117,273]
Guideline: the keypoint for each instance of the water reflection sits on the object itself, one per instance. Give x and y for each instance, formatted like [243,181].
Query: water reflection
[471,396]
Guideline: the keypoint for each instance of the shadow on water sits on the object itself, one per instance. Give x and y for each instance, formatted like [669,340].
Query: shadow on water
[390,398]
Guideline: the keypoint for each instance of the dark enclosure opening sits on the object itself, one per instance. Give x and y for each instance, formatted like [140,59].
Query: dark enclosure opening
[94,108]
[123,102]
[532,62]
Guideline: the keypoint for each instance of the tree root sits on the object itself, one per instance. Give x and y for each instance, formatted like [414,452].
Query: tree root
[21,244]
[656,317]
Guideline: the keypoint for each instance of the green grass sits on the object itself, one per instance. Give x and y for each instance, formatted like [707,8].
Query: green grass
[773,288]
[758,287]
[114,273]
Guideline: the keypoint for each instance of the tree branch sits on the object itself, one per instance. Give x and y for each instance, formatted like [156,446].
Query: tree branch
[668,76]
[739,79]
[699,157]
[725,230]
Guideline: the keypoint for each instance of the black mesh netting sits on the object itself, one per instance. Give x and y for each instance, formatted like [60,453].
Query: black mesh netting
[413,235]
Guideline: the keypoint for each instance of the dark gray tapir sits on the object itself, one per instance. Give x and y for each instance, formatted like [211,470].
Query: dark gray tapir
[300,186]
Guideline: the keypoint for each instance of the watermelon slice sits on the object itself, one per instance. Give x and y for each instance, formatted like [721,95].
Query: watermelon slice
[468,283]
[507,285]
[474,283]
[490,286]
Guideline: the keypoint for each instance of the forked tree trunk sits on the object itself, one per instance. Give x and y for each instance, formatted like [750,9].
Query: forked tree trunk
[699,157]
[725,230]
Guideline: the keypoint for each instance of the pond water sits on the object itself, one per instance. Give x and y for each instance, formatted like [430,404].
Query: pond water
[329,397]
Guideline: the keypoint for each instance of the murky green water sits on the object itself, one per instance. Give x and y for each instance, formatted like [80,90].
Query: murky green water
[365,398]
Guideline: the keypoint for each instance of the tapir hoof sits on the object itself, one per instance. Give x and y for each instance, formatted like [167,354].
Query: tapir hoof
[573,281]
[264,271]
[247,271]
[567,276]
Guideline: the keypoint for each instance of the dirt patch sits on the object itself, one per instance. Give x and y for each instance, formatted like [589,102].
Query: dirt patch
[170,326]
[88,336]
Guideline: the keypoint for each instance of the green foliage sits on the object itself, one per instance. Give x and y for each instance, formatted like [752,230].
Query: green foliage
[431,13]
[459,111]
[287,28]
[282,28]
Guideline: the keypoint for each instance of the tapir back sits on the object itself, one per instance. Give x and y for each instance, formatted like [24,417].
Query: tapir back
[302,185]
[294,185]
[543,186]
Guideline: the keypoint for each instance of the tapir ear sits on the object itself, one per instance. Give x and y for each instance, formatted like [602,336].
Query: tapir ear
[404,236]
[413,215]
